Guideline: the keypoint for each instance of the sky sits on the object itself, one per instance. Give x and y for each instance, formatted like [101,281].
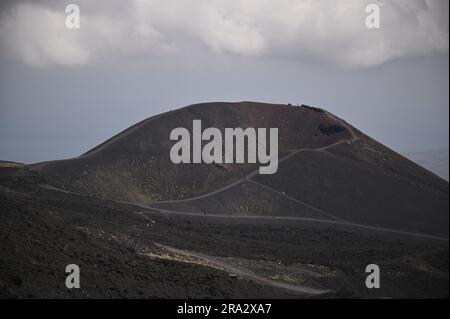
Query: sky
[63,91]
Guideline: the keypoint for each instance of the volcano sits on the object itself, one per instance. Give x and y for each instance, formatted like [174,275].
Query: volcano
[339,200]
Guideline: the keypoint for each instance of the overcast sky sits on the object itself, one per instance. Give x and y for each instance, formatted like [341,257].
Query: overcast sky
[63,91]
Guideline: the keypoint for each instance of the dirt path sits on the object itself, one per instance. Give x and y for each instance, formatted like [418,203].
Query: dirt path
[317,210]
[252,174]
[334,220]
[314,220]
[244,273]
[305,219]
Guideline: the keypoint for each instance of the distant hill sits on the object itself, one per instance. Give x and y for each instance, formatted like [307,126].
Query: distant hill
[434,160]
[10,164]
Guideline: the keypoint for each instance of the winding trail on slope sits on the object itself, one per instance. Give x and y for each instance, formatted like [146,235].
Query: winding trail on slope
[315,209]
[304,219]
[252,174]
[244,273]
[334,220]
[155,210]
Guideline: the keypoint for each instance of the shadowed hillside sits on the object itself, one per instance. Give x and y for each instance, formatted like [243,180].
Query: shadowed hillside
[326,168]
[135,164]
[142,227]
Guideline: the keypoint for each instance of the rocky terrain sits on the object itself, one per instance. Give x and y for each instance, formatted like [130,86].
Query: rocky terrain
[140,226]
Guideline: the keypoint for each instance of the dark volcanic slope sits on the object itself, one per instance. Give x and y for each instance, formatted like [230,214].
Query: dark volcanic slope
[135,165]
[327,168]
[115,245]
[358,192]
[338,202]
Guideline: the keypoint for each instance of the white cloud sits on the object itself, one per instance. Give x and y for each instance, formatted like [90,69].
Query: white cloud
[37,35]
[323,30]
[34,35]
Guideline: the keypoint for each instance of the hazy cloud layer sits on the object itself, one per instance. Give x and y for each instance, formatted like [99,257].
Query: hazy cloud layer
[297,29]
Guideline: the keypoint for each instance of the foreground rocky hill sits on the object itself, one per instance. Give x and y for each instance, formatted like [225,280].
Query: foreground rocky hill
[140,226]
